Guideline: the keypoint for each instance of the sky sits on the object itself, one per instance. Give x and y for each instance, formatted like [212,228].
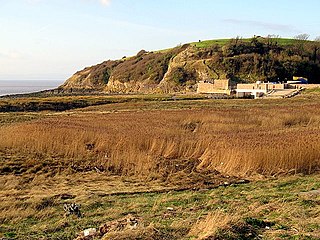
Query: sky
[52,39]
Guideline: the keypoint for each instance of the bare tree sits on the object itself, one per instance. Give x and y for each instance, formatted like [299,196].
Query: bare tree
[316,48]
[302,37]
[273,36]
[300,42]
[272,39]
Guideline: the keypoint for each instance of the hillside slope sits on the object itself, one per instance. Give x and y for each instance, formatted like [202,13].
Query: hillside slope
[180,68]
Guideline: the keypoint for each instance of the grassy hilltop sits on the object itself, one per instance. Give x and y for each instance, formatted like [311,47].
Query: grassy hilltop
[224,42]
[178,69]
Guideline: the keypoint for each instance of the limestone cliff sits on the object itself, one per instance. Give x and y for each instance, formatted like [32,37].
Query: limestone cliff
[179,69]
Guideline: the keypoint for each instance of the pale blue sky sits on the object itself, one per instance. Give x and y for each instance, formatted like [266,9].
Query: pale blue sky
[52,39]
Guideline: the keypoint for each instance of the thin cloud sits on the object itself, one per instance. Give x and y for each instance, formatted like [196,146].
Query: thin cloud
[265,25]
[105,2]
[11,55]
[33,1]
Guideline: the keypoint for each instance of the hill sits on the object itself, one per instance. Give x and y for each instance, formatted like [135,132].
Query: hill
[179,69]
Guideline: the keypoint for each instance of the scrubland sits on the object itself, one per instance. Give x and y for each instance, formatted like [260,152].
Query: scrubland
[175,164]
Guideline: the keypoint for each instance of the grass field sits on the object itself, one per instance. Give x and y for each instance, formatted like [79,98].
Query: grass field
[274,209]
[175,165]
[222,42]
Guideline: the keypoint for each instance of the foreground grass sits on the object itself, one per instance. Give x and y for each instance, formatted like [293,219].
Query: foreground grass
[100,156]
[271,209]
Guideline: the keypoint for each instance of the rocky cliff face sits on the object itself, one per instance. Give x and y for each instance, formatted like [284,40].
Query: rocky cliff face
[180,68]
[146,72]
[176,70]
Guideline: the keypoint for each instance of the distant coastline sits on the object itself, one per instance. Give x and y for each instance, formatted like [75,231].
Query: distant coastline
[10,87]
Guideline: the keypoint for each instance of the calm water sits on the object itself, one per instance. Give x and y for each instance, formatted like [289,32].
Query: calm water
[16,87]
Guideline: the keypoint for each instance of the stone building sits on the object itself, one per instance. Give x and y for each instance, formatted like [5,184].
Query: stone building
[223,86]
[258,89]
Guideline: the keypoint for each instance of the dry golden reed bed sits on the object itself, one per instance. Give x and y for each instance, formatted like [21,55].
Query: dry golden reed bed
[233,140]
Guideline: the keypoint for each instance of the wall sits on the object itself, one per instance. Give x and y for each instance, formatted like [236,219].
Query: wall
[307,86]
[261,86]
[245,86]
[222,84]
[219,86]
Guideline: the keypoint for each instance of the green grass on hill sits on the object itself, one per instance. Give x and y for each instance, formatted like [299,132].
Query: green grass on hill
[221,42]
[209,43]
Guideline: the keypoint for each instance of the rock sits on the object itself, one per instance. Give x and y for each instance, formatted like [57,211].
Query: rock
[127,223]
[90,232]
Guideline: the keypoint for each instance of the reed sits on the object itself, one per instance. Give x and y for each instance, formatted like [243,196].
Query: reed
[238,142]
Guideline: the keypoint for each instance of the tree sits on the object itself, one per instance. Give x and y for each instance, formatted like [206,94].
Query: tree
[301,40]
[302,37]
[272,39]
[316,48]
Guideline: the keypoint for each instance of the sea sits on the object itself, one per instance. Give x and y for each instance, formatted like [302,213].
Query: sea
[9,87]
